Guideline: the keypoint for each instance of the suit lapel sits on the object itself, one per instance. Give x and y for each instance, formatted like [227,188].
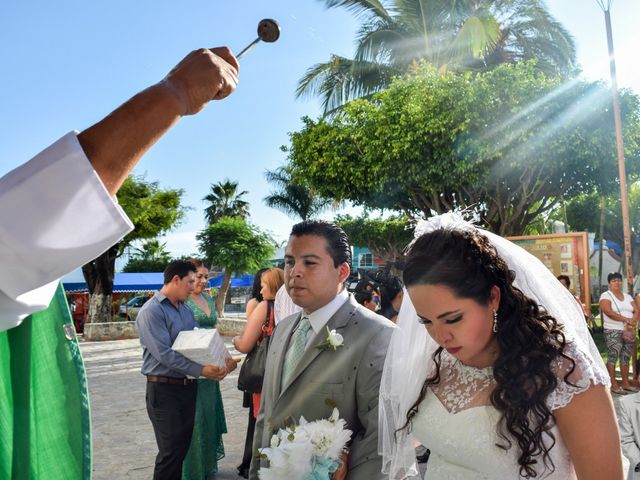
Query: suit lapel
[338,321]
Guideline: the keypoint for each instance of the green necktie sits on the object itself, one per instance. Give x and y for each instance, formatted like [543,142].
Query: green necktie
[296,349]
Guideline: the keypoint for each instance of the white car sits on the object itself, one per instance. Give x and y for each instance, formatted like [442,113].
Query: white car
[132,307]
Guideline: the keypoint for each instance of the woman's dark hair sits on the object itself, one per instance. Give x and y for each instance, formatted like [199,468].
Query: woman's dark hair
[613,275]
[390,287]
[364,291]
[529,339]
[198,263]
[255,289]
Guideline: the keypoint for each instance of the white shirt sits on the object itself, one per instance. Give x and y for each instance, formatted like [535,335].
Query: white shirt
[55,215]
[283,306]
[621,307]
[320,317]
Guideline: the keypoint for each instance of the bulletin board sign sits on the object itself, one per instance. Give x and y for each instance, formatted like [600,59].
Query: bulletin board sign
[563,254]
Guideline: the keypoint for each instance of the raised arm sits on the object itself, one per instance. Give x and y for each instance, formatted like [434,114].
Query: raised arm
[115,144]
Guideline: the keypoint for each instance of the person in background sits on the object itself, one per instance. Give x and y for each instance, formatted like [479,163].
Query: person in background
[618,314]
[366,294]
[247,402]
[254,332]
[256,296]
[283,306]
[206,441]
[391,294]
[171,377]
[566,282]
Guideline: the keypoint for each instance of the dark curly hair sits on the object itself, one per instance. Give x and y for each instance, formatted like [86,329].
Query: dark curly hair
[529,339]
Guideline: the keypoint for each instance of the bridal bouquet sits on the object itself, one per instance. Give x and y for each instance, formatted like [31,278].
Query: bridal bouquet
[307,451]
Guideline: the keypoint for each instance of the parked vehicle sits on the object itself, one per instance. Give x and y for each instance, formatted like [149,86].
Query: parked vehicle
[132,307]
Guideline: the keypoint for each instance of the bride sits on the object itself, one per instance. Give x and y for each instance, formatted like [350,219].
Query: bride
[504,382]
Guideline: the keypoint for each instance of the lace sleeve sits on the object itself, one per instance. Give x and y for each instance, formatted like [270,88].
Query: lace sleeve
[573,382]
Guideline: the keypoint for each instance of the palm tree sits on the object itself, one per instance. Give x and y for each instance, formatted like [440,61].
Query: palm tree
[225,201]
[450,34]
[152,250]
[291,198]
[152,256]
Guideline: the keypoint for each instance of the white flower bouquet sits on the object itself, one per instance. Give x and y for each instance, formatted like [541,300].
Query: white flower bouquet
[307,451]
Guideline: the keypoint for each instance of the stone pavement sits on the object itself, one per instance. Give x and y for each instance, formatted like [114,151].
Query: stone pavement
[124,446]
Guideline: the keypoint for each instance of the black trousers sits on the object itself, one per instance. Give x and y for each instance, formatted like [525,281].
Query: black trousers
[248,441]
[171,409]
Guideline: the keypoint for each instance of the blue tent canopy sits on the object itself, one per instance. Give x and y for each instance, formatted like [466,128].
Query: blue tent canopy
[241,281]
[609,244]
[149,282]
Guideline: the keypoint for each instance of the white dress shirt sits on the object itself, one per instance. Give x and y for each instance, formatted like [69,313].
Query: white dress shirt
[55,215]
[320,317]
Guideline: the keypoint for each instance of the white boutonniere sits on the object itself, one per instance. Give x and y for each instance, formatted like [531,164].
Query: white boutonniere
[333,340]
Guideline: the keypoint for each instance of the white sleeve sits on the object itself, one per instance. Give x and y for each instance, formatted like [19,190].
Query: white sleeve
[55,215]
[574,376]
[283,306]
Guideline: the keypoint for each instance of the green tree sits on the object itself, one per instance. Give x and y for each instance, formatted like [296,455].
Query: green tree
[583,214]
[225,200]
[461,34]
[152,256]
[237,246]
[294,199]
[386,238]
[153,211]
[508,143]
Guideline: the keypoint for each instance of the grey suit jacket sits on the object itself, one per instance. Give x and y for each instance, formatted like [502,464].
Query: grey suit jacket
[629,422]
[348,377]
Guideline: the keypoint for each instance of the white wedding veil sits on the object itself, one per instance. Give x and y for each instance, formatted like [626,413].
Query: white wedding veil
[410,354]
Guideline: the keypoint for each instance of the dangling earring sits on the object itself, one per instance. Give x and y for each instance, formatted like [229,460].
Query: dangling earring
[495,322]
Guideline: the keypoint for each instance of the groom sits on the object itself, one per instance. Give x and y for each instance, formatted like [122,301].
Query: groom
[302,379]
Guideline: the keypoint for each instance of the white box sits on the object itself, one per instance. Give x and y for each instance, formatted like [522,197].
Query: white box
[203,346]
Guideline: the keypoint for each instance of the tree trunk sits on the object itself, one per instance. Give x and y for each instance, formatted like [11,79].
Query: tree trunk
[222,294]
[99,274]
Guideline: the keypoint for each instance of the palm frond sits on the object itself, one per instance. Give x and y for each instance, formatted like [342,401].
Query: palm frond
[360,7]
[375,41]
[295,200]
[342,79]
[476,37]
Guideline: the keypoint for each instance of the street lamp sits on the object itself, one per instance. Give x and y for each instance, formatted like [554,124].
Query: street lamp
[605,5]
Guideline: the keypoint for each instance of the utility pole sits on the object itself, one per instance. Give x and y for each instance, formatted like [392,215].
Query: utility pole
[606,8]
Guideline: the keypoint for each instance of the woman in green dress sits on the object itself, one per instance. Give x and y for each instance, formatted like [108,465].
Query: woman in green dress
[206,447]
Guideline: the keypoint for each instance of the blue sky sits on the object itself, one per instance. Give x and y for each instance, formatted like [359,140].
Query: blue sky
[66,64]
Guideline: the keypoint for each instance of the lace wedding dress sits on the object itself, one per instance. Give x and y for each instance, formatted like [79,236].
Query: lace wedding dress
[457,422]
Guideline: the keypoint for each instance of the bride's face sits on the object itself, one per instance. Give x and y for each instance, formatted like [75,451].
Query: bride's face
[461,325]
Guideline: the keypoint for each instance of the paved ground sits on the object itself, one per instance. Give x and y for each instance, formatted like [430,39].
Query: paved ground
[123,443]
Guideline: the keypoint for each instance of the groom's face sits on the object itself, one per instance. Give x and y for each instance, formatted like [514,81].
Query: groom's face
[311,278]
